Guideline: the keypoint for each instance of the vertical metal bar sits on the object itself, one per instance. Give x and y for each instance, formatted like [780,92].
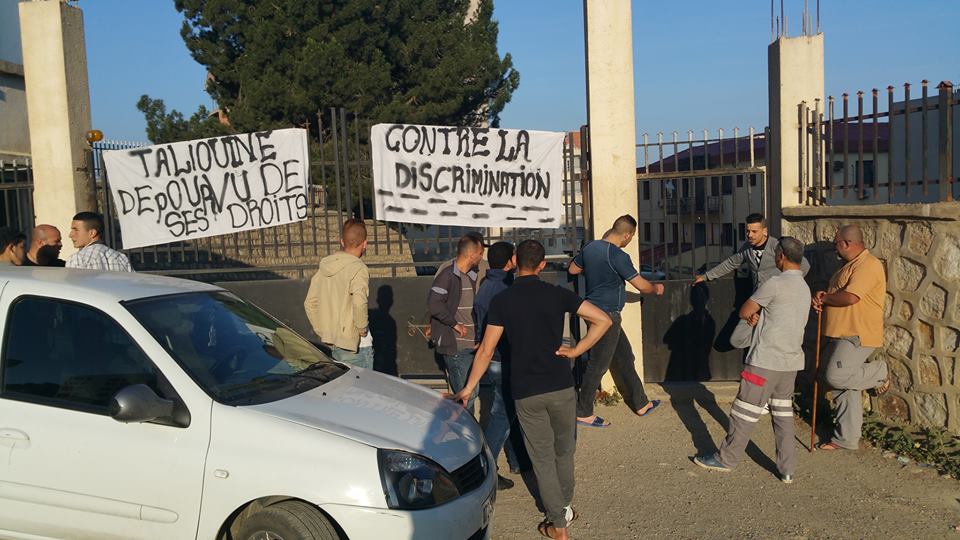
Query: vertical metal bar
[891,187]
[802,147]
[346,160]
[336,164]
[676,153]
[720,136]
[817,153]
[860,194]
[660,149]
[830,140]
[846,144]
[323,184]
[945,108]
[924,167]
[749,180]
[356,152]
[876,144]
[646,153]
[764,198]
[906,137]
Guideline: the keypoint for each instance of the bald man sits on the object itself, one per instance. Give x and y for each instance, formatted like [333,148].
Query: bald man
[853,308]
[45,245]
[336,302]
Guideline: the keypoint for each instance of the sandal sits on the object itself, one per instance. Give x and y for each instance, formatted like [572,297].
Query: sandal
[544,528]
[597,422]
[882,389]
[653,405]
[830,446]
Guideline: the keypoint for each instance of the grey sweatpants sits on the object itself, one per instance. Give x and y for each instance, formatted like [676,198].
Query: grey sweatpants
[849,373]
[549,425]
[758,387]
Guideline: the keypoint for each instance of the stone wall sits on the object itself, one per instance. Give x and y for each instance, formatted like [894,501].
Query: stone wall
[919,245]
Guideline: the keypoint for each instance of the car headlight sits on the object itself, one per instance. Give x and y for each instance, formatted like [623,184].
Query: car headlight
[412,482]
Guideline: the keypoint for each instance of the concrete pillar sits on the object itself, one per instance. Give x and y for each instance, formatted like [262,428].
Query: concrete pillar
[794,74]
[611,117]
[58,107]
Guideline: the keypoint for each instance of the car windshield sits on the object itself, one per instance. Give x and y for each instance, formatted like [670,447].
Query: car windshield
[237,353]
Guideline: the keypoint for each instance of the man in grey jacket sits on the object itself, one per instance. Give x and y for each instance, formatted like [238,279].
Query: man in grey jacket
[757,252]
[450,302]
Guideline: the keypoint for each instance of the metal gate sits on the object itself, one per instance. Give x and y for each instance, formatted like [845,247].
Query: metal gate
[693,198]
[16,192]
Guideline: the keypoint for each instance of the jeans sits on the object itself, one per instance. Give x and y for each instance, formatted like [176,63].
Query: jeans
[458,370]
[612,351]
[362,358]
[503,416]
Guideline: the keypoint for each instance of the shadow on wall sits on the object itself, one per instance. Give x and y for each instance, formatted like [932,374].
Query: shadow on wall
[384,329]
[689,339]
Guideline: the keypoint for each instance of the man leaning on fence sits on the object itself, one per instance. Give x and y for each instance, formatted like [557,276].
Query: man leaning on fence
[86,232]
[853,308]
[337,301]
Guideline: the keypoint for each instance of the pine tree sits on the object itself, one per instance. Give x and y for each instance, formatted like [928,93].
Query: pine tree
[274,63]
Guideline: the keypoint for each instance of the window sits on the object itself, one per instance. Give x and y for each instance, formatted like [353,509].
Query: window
[662,236]
[869,177]
[753,180]
[238,354]
[676,235]
[646,190]
[726,235]
[72,356]
[727,183]
[741,233]
[646,232]
[739,180]
[714,185]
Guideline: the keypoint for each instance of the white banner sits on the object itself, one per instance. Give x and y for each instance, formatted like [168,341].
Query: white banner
[477,177]
[207,187]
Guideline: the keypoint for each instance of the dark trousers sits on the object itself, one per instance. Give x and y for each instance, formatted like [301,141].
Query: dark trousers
[549,433]
[612,352]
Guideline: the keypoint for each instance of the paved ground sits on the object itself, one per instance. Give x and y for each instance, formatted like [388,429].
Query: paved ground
[635,480]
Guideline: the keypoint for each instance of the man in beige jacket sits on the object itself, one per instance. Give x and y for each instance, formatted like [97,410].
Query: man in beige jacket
[336,303]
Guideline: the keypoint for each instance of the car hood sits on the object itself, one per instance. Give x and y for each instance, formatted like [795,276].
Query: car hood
[385,412]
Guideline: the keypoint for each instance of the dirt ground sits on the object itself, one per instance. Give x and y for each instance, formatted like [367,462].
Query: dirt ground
[635,480]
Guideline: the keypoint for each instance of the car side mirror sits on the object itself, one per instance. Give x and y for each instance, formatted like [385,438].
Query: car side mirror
[139,403]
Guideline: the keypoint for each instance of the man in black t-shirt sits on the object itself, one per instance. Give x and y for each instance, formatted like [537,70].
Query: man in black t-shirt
[531,314]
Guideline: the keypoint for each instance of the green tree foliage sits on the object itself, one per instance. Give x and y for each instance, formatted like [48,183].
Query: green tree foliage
[274,63]
[163,127]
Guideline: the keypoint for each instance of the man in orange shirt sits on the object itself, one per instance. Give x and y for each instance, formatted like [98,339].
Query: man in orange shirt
[853,308]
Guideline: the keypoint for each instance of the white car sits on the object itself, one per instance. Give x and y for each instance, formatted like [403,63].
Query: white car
[137,406]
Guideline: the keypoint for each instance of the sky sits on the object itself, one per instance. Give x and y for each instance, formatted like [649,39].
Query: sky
[698,64]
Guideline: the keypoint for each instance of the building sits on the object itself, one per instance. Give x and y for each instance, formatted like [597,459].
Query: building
[14,130]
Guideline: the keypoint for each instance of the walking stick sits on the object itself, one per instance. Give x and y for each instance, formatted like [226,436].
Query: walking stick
[816,376]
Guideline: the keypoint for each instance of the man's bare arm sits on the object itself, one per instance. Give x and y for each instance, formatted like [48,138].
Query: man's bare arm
[645,286]
[574,268]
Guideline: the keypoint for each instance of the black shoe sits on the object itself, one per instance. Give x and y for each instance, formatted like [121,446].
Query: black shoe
[503,483]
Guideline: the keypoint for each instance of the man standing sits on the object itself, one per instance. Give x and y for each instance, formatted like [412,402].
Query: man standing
[45,245]
[86,232]
[606,267]
[502,412]
[450,303]
[853,307]
[531,314]
[757,252]
[12,250]
[772,324]
[336,302]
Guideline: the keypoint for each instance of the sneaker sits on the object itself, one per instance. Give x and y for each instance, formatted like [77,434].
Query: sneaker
[503,483]
[711,462]
[786,478]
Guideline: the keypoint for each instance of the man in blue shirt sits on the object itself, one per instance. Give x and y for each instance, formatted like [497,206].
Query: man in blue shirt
[606,267]
[503,415]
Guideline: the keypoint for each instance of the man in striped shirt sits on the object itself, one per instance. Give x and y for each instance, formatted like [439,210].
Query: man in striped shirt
[86,232]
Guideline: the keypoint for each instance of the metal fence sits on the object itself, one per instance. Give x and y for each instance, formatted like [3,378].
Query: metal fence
[694,195]
[16,191]
[906,153]
[341,188]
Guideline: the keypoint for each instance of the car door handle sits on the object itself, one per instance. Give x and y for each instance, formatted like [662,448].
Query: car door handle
[12,438]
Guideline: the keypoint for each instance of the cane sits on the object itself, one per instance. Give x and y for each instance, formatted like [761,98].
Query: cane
[816,376]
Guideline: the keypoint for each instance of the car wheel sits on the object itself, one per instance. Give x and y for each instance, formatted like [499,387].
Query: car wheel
[288,520]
